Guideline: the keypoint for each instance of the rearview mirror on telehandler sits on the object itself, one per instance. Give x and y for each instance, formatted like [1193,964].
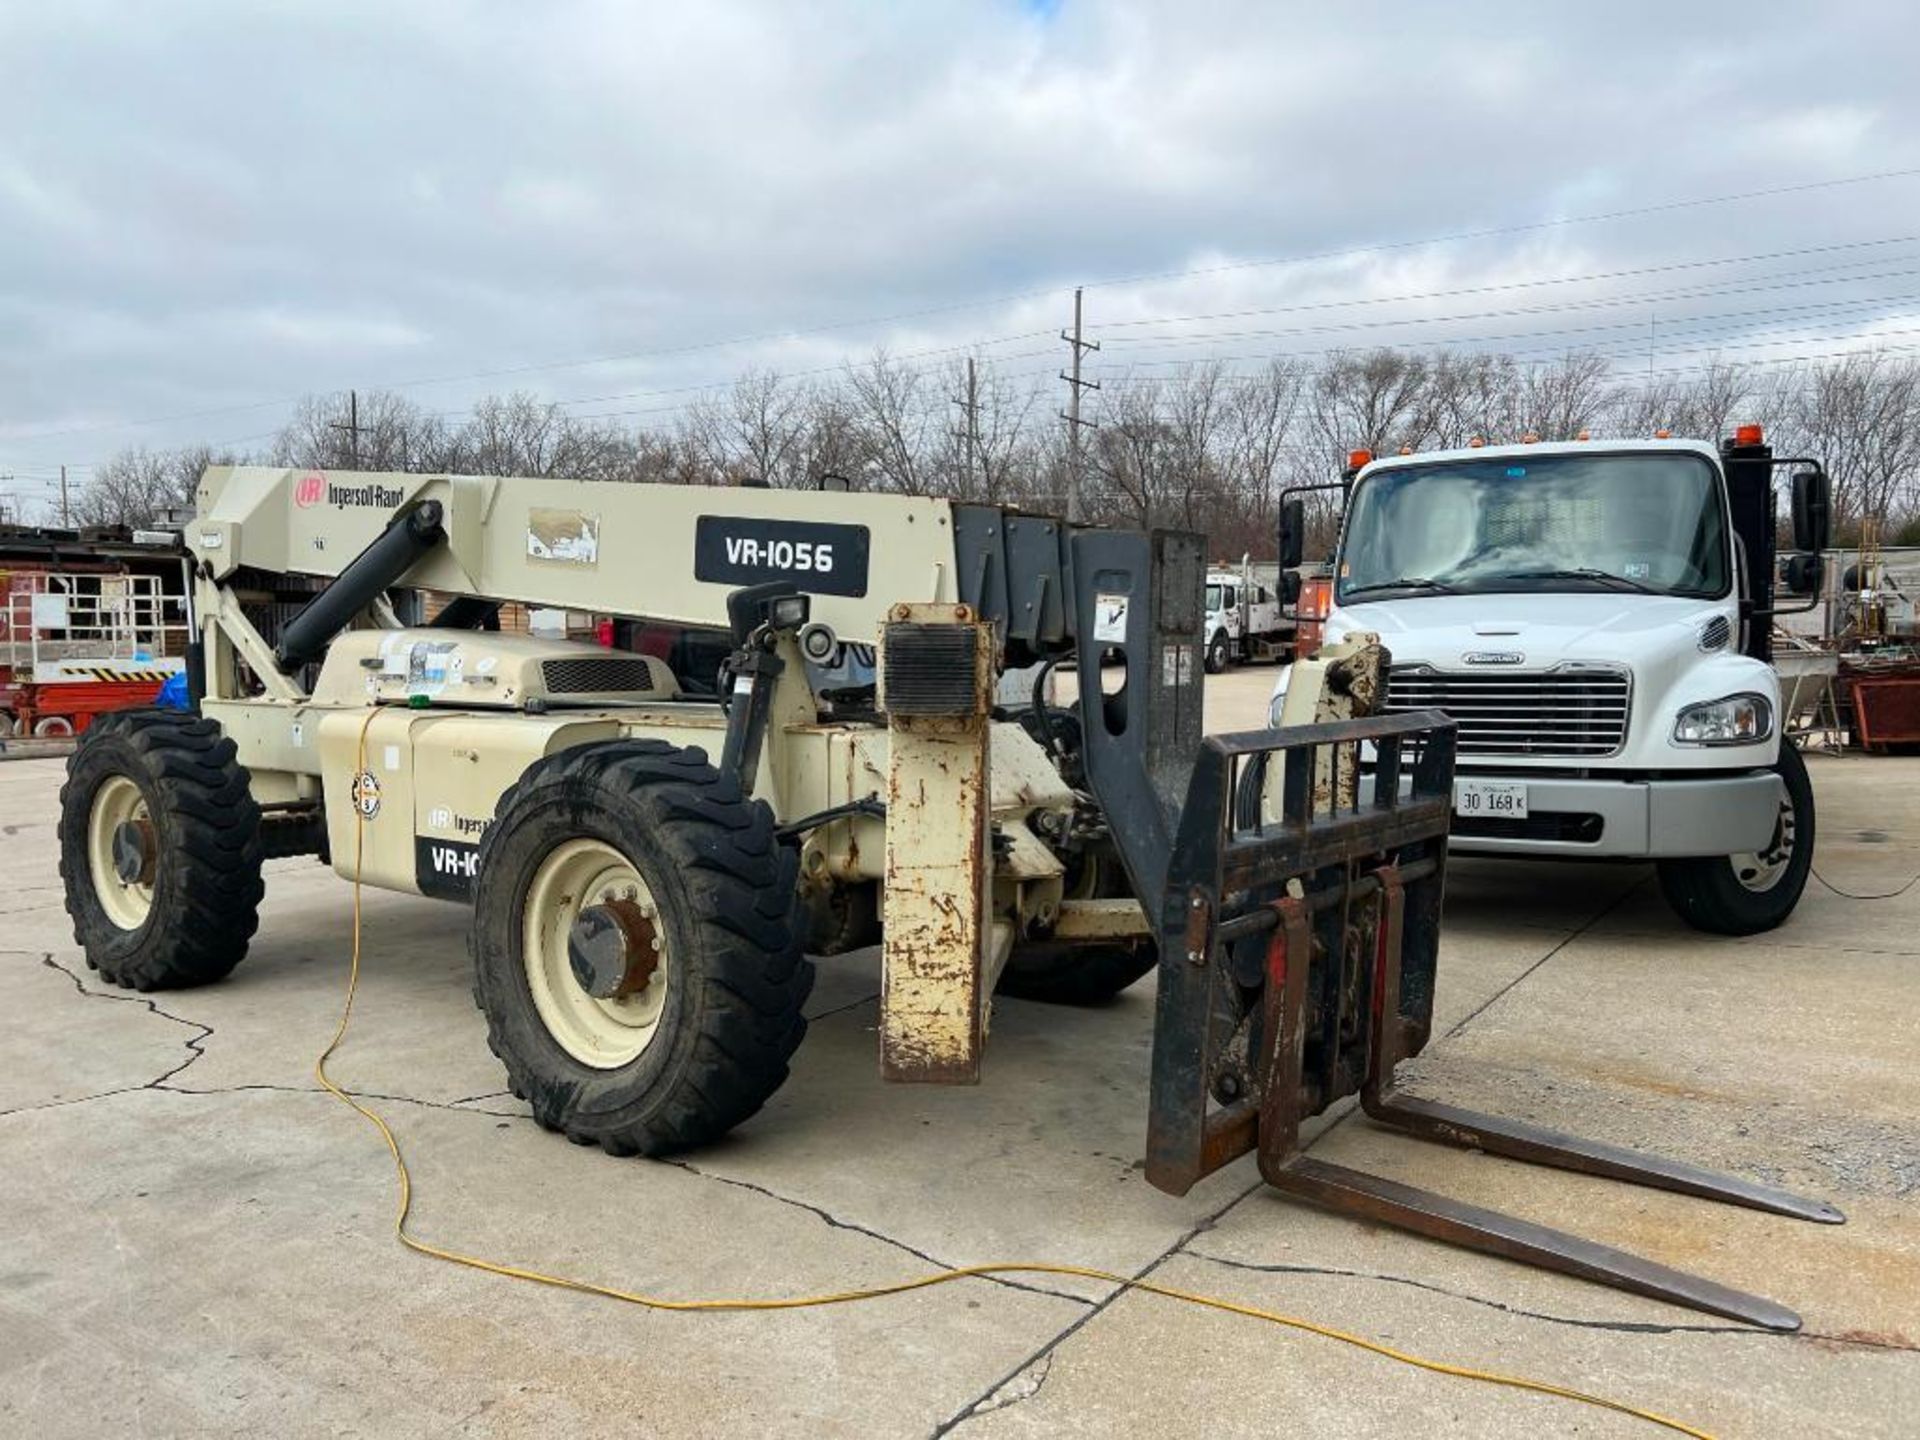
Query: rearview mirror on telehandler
[641,915]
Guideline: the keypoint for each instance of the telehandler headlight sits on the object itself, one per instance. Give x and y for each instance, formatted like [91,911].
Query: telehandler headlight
[788,612]
[1736,720]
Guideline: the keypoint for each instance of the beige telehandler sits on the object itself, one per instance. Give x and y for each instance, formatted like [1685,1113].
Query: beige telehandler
[796,750]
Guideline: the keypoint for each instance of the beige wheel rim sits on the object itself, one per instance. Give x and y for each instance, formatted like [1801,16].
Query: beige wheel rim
[602,1033]
[117,802]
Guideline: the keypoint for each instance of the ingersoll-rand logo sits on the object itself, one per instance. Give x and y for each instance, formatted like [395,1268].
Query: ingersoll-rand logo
[1494,657]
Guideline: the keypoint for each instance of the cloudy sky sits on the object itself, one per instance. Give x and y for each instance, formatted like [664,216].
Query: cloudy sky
[208,209]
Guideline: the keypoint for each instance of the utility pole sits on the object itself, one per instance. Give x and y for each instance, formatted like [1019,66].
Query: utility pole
[970,437]
[1076,448]
[352,427]
[66,511]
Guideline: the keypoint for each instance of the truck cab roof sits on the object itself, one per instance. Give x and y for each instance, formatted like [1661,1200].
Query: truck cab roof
[1539,448]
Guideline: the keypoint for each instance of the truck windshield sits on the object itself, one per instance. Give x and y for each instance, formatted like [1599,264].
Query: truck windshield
[1648,522]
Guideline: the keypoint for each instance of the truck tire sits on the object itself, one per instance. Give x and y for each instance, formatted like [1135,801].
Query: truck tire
[1056,972]
[52,727]
[159,850]
[1219,651]
[1745,894]
[662,1011]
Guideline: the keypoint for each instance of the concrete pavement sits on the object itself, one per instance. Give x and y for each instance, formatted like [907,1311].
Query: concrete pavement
[197,1241]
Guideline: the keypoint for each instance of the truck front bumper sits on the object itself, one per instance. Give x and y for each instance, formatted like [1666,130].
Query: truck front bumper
[1723,815]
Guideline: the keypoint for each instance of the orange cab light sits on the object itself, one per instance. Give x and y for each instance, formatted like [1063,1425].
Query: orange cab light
[1663,434]
[1530,438]
[1358,458]
[1584,435]
[1406,449]
[1475,443]
[1749,435]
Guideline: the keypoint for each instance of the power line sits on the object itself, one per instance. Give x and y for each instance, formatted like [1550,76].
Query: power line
[1460,237]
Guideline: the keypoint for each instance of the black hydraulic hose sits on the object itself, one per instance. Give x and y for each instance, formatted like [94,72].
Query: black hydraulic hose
[407,537]
[1042,718]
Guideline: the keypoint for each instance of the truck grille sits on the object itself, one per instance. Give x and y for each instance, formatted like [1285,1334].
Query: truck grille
[1559,712]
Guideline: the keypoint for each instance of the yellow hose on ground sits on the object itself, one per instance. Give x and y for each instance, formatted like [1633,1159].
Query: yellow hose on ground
[901,1287]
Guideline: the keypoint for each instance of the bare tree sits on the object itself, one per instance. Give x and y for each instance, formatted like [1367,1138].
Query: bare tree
[1861,415]
[136,485]
[898,425]
[394,434]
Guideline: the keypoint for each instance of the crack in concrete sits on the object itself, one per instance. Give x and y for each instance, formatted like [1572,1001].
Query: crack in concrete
[1626,1327]
[983,1404]
[842,1009]
[980,1405]
[837,1223]
[1631,1327]
[194,1043]
[1015,1390]
[455,1106]
[1506,989]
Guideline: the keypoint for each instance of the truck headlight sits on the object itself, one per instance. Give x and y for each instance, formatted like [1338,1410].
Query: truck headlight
[1735,720]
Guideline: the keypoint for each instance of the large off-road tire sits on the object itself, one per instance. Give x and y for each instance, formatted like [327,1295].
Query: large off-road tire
[1745,894]
[593,856]
[159,850]
[1219,652]
[1058,973]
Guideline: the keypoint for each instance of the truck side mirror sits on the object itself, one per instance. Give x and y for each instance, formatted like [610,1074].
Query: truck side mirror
[1812,510]
[1293,534]
[1802,574]
[1290,587]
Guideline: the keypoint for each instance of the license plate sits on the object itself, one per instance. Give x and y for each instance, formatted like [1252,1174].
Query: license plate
[1490,799]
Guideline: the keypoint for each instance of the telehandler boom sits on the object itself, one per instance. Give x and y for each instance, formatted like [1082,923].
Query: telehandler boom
[650,849]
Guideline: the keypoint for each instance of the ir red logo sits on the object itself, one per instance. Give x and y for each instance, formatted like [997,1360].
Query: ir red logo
[310,489]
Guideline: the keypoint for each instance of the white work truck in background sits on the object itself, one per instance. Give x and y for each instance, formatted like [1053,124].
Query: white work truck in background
[1245,617]
[1596,617]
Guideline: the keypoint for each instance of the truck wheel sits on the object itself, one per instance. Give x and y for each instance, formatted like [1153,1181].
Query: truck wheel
[1056,972]
[1218,652]
[637,947]
[53,727]
[160,850]
[1745,894]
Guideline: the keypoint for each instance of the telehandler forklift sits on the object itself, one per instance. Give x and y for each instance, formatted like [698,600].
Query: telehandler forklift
[647,865]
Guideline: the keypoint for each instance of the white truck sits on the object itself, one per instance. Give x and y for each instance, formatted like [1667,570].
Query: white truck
[1596,617]
[1245,617]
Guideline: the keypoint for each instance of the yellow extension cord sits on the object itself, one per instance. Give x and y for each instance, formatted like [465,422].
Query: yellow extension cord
[876,1292]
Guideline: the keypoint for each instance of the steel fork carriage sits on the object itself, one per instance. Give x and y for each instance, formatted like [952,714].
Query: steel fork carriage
[1297,968]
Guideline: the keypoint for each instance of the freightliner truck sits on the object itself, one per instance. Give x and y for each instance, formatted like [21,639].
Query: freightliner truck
[1597,617]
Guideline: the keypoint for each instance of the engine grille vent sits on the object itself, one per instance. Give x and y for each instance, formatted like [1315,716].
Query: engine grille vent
[1715,633]
[600,675]
[930,669]
[1562,712]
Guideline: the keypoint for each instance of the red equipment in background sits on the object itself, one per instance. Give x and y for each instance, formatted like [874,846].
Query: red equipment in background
[82,641]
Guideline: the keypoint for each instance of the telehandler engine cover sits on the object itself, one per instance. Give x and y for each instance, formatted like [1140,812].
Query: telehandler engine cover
[485,670]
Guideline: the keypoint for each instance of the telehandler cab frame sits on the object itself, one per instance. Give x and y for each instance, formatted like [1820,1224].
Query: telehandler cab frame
[647,866]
